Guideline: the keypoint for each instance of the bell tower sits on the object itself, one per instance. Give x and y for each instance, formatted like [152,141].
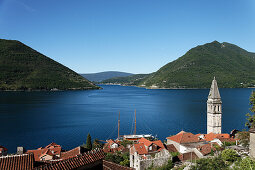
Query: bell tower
[214,109]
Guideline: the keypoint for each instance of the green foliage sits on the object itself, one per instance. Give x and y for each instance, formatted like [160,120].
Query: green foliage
[119,158]
[245,164]
[128,80]
[126,162]
[210,164]
[250,123]
[22,68]
[174,154]
[97,144]
[229,155]
[244,138]
[126,142]
[88,142]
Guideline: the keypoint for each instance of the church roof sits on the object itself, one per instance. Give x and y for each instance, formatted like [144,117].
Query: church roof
[214,91]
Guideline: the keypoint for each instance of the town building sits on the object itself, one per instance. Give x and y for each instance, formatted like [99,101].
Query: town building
[144,153]
[214,109]
[49,152]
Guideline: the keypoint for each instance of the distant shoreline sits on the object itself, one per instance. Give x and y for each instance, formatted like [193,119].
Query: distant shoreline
[175,88]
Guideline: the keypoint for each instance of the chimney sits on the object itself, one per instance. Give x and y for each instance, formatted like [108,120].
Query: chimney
[20,150]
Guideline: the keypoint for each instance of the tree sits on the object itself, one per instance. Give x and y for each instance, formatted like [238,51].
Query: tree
[245,164]
[96,144]
[251,118]
[210,163]
[229,155]
[88,142]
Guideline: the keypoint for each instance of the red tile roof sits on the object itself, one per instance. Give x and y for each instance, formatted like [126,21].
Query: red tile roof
[145,141]
[53,147]
[17,162]
[71,153]
[140,148]
[184,137]
[80,161]
[159,143]
[113,166]
[206,149]
[211,136]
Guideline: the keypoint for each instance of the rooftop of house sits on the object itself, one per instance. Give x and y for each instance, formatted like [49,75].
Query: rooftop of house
[184,137]
[211,136]
[206,149]
[75,162]
[140,148]
[51,149]
[24,161]
[71,153]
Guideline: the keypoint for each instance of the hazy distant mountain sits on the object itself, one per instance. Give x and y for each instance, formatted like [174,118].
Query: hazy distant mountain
[232,66]
[22,68]
[98,77]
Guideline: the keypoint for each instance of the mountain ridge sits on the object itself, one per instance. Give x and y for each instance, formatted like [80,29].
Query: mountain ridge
[231,65]
[23,68]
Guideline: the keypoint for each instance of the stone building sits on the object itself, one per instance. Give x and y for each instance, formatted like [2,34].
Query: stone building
[214,109]
[145,153]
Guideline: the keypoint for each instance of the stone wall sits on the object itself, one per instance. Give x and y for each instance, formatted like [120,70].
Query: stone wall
[252,143]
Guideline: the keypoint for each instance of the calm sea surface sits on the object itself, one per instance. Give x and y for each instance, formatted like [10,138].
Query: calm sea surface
[34,119]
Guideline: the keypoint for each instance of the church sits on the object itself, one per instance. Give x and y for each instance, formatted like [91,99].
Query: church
[214,109]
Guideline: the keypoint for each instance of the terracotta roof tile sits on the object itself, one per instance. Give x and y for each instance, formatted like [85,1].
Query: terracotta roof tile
[76,162]
[206,149]
[40,151]
[145,141]
[71,153]
[17,162]
[159,143]
[184,137]
[140,148]
[211,136]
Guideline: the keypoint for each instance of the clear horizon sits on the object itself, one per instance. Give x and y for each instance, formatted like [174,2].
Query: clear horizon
[127,36]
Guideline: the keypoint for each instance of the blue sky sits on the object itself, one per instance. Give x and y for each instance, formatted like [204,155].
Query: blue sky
[137,36]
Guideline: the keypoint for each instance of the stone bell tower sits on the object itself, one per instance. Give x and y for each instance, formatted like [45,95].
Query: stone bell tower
[214,109]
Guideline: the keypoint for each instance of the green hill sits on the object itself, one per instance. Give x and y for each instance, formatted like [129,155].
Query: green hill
[22,68]
[127,80]
[232,66]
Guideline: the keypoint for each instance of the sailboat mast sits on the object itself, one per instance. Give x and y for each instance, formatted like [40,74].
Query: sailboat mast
[119,126]
[135,123]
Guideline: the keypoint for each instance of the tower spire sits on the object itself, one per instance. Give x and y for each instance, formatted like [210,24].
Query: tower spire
[214,91]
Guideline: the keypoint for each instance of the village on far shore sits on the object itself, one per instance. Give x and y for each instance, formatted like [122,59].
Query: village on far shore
[141,151]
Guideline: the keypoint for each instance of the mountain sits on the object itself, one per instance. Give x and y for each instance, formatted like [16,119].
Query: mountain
[128,80]
[233,67]
[22,68]
[98,77]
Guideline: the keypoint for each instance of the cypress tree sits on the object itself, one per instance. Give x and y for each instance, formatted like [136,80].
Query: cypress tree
[88,142]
